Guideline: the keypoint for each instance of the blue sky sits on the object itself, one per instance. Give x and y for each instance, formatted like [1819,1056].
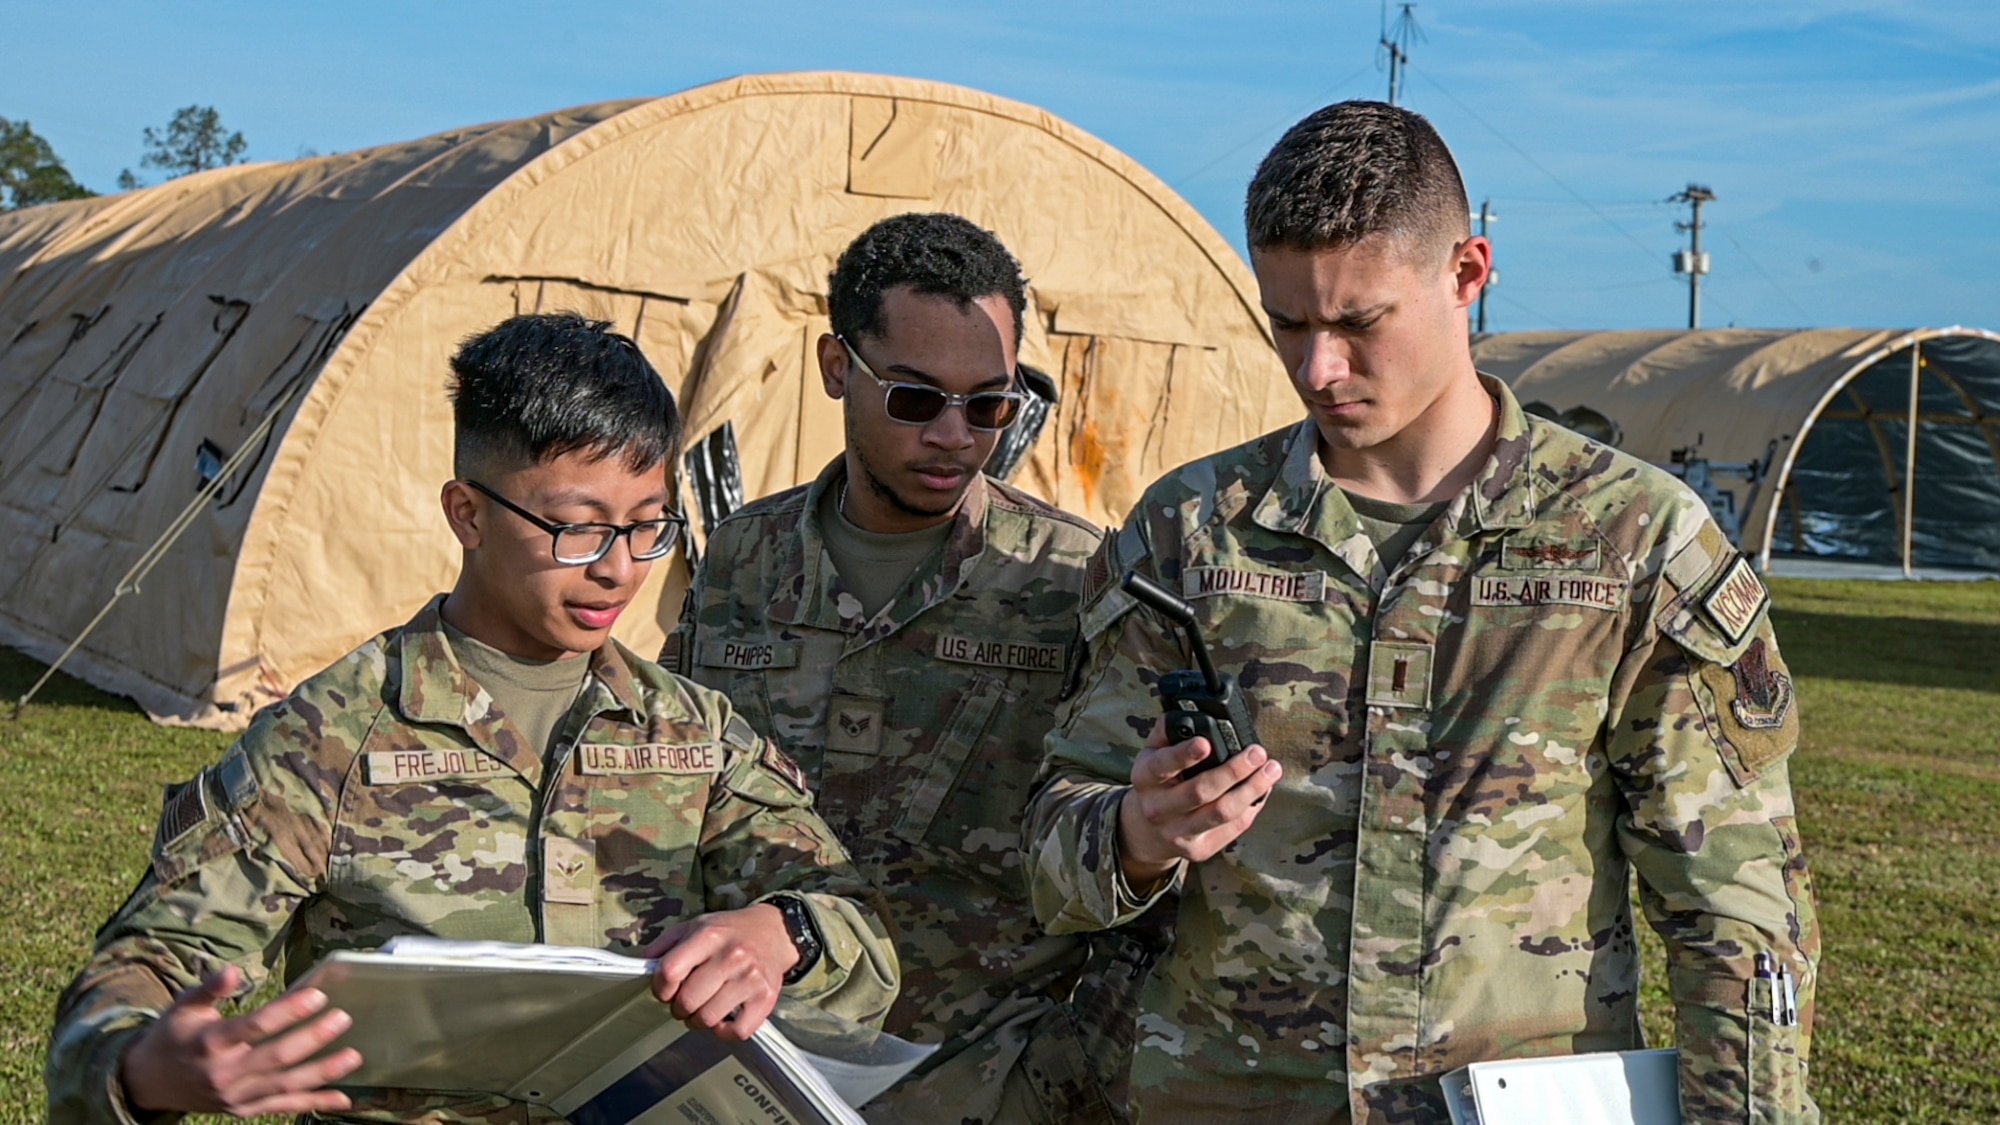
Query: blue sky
[1854,144]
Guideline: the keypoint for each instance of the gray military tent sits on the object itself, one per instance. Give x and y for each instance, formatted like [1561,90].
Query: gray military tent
[269,341]
[1870,445]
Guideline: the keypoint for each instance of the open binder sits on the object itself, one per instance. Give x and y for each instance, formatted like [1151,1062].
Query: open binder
[580,1032]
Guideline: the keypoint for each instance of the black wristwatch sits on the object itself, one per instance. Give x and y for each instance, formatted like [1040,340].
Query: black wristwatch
[804,932]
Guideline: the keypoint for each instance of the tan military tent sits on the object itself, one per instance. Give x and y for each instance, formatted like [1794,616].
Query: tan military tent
[279,332]
[1804,442]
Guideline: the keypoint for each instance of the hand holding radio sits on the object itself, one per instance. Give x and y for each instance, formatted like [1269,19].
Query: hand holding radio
[1202,778]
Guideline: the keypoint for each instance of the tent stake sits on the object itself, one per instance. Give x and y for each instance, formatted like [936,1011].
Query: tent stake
[151,558]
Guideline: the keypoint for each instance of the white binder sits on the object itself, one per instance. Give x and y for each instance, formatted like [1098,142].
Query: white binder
[1604,1088]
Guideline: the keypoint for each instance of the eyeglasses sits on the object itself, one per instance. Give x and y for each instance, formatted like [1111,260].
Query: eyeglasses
[580,544]
[915,404]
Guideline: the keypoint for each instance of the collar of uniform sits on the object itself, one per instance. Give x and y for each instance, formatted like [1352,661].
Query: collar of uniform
[1303,500]
[435,688]
[1503,494]
[612,685]
[820,593]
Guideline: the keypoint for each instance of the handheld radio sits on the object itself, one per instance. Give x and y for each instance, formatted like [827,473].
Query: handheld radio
[1199,703]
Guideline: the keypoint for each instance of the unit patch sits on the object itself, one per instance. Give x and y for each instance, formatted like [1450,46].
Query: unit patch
[1000,654]
[781,763]
[1549,556]
[1753,706]
[1596,593]
[597,760]
[1763,694]
[748,655]
[1736,601]
[389,767]
[1208,581]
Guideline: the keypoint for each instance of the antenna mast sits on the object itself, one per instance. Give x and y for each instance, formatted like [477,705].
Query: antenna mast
[1395,46]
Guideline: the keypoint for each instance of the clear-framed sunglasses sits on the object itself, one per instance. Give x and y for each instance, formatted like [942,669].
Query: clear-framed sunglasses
[917,404]
[580,544]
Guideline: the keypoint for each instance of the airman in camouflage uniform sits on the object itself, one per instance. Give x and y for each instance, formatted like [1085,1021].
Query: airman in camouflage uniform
[387,796]
[392,794]
[919,724]
[1569,676]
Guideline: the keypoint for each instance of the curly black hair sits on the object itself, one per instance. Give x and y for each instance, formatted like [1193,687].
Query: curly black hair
[535,387]
[1355,169]
[936,254]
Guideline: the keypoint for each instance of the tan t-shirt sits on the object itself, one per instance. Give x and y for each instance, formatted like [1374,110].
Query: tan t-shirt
[1393,528]
[874,564]
[535,694]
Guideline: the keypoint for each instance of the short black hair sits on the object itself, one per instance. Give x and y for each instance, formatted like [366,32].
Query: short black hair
[936,254]
[535,387]
[1355,169]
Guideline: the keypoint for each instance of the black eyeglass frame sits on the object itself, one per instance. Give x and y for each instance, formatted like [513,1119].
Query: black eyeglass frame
[672,527]
[963,402]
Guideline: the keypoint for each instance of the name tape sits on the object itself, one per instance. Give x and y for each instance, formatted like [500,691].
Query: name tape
[1594,593]
[1001,654]
[1209,581]
[748,655]
[609,761]
[389,767]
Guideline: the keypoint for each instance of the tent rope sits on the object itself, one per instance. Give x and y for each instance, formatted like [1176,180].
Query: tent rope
[129,584]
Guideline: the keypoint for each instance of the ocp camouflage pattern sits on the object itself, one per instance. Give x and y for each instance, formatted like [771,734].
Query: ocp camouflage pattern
[920,730]
[1571,676]
[389,796]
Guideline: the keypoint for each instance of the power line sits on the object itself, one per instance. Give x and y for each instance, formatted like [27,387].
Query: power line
[1767,277]
[1523,154]
[1318,99]
[1509,298]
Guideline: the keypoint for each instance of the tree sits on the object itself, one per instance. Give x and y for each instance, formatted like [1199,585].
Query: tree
[30,170]
[194,141]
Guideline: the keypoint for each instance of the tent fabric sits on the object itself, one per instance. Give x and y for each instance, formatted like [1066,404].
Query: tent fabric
[1802,435]
[144,337]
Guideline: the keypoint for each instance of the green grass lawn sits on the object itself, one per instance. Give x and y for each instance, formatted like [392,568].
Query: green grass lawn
[1898,789]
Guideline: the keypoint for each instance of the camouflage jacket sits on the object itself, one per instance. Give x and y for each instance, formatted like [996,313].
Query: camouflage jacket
[920,731]
[1570,676]
[388,796]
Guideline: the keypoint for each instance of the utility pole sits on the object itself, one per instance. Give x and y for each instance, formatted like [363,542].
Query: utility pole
[1396,46]
[1486,215]
[1692,261]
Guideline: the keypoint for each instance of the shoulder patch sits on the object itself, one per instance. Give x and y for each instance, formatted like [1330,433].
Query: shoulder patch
[1735,601]
[781,763]
[239,781]
[1753,707]
[740,734]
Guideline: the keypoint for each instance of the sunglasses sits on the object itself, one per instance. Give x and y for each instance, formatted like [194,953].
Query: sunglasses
[580,544]
[916,404]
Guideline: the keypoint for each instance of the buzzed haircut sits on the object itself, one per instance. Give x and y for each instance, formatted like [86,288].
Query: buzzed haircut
[1356,169]
[536,387]
[936,254]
